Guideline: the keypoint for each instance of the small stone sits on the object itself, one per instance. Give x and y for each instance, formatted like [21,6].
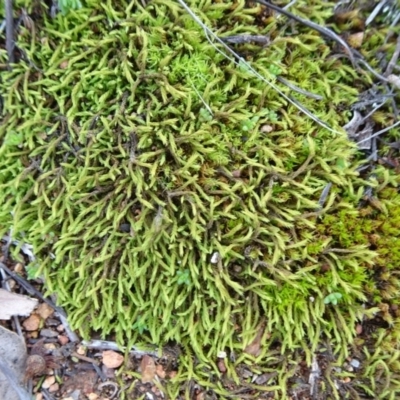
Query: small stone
[49,346]
[48,333]
[44,310]
[346,380]
[60,328]
[64,64]
[92,396]
[62,339]
[50,380]
[12,284]
[19,268]
[55,387]
[160,371]
[112,359]
[32,323]
[221,365]
[266,129]
[39,396]
[355,363]
[81,350]
[221,354]
[359,329]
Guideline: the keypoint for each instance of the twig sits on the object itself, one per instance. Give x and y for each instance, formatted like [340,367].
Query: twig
[394,58]
[9,31]
[375,12]
[380,132]
[324,195]
[238,39]
[72,336]
[106,345]
[237,60]
[322,30]
[299,90]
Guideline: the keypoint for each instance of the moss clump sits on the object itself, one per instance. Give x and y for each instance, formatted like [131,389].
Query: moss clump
[135,158]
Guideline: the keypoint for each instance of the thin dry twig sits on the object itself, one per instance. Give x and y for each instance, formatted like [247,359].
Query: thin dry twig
[107,345]
[393,60]
[322,30]
[240,61]
[239,39]
[9,31]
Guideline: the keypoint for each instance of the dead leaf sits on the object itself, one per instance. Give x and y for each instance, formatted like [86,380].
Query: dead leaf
[112,359]
[148,368]
[254,348]
[15,304]
[355,40]
[32,323]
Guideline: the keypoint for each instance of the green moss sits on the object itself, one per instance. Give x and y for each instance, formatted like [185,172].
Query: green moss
[133,158]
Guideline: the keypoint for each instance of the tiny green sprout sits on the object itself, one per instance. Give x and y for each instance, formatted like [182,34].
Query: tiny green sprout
[341,163]
[66,6]
[333,298]
[183,277]
[14,138]
[205,115]
[249,124]
[140,326]
[274,70]
[32,271]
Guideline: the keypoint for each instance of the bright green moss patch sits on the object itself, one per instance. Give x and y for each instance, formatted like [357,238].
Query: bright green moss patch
[170,195]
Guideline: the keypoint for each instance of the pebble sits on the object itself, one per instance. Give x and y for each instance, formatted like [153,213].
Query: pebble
[49,346]
[44,310]
[355,363]
[50,380]
[48,333]
[62,339]
[55,387]
[32,323]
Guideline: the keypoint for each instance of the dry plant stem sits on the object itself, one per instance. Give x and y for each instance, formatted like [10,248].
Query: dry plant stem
[299,90]
[312,25]
[375,12]
[238,39]
[380,132]
[394,58]
[72,336]
[106,345]
[237,60]
[9,31]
